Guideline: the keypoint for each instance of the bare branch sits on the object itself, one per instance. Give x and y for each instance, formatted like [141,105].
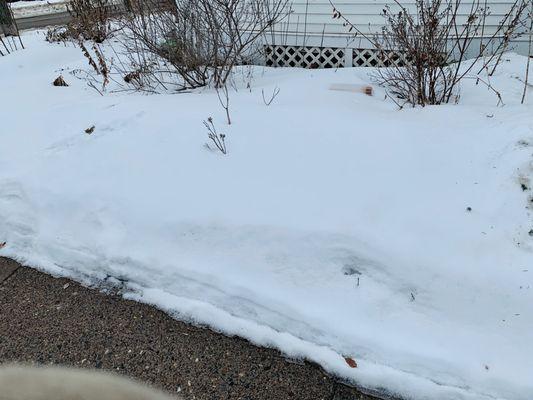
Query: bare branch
[272,97]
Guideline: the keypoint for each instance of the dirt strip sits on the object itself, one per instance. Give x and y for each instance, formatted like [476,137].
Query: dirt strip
[46,320]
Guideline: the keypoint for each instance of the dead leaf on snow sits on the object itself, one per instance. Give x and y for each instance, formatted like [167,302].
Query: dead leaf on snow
[351,362]
[59,81]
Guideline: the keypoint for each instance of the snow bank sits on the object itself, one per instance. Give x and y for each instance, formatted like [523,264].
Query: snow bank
[25,9]
[35,3]
[335,226]
[39,7]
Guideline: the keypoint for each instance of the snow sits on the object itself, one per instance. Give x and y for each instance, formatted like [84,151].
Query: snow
[38,7]
[33,8]
[35,3]
[336,225]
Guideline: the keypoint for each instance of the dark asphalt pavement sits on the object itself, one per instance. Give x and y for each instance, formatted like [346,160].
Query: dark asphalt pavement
[45,320]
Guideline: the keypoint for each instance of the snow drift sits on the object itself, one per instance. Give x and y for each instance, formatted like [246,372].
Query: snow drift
[336,226]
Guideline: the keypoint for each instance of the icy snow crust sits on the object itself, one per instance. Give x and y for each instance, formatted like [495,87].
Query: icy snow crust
[336,225]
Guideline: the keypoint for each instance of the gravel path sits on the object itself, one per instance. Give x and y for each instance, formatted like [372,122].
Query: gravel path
[56,321]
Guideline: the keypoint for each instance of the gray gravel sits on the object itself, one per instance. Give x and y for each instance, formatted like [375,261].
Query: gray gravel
[46,320]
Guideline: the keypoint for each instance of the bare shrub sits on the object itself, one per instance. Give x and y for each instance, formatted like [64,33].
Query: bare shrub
[193,43]
[90,19]
[164,47]
[430,50]
[99,64]
[57,34]
[180,45]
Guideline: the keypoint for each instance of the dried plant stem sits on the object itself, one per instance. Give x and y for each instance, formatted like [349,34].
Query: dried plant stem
[224,101]
[219,140]
[272,97]
[529,55]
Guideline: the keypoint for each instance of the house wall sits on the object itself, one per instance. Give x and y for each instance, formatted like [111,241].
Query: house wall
[311,22]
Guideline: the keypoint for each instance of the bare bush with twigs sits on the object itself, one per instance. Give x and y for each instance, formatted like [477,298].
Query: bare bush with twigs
[430,50]
[90,19]
[58,34]
[100,65]
[194,43]
[174,45]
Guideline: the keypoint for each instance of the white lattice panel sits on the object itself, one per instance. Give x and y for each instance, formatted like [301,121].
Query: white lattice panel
[376,58]
[329,57]
[305,57]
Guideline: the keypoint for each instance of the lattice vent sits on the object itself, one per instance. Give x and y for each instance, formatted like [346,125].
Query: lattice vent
[305,57]
[330,57]
[377,58]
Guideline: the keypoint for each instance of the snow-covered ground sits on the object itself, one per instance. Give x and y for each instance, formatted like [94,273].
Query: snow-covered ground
[24,9]
[35,3]
[38,7]
[336,226]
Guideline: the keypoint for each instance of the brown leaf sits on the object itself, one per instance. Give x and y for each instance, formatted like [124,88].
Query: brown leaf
[351,362]
[59,81]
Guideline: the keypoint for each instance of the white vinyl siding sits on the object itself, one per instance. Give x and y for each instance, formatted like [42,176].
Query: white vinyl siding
[311,21]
